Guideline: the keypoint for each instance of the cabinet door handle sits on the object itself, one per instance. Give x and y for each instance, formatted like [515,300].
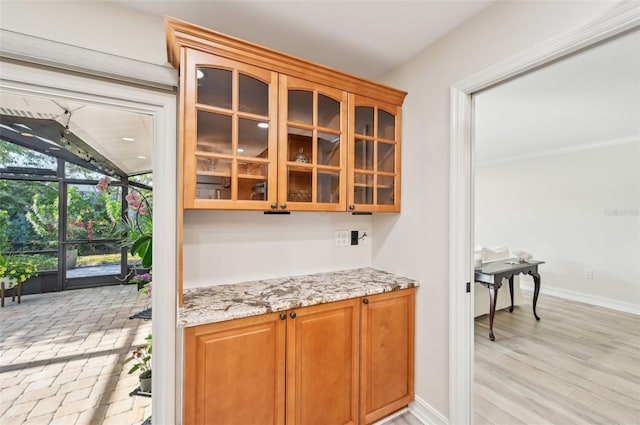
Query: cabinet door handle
[365,301]
[274,206]
[293,315]
[283,316]
[283,205]
[352,207]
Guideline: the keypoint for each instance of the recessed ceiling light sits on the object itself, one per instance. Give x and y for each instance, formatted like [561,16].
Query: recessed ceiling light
[142,157]
[199,74]
[128,139]
[53,148]
[240,150]
[263,124]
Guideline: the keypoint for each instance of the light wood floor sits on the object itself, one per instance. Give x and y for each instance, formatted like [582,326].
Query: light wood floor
[404,419]
[579,365]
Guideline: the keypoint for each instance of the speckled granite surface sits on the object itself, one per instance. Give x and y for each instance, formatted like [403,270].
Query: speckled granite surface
[225,302]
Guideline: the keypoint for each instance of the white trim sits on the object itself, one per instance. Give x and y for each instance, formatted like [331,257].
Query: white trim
[28,80]
[618,305]
[622,17]
[561,151]
[425,413]
[37,50]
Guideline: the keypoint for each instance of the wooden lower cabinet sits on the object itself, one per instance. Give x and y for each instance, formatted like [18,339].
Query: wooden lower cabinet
[387,354]
[235,371]
[340,363]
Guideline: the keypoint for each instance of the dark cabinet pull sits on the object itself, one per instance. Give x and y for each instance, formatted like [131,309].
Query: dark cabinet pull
[365,301]
[283,205]
[293,314]
[274,206]
[283,316]
[352,207]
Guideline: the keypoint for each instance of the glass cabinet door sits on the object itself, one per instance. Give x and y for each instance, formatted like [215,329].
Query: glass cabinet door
[229,134]
[374,156]
[312,133]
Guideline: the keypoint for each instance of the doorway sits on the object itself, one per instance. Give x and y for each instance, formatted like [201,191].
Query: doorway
[461,267]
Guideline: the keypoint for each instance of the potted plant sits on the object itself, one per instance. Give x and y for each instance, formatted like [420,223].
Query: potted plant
[142,358]
[15,270]
[142,280]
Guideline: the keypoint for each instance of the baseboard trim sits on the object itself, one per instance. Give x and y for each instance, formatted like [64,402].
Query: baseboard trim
[585,298]
[391,417]
[426,414]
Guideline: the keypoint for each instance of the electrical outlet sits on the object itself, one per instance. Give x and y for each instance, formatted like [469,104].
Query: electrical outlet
[354,237]
[342,238]
[588,273]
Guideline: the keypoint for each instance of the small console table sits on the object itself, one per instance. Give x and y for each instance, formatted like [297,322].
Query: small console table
[491,275]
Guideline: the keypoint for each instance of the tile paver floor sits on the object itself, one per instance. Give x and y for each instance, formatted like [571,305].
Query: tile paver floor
[61,358]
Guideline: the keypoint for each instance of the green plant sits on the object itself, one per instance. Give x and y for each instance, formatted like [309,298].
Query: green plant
[142,358]
[16,270]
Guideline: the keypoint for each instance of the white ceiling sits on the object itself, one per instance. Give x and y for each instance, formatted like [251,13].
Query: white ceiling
[362,37]
[590,98]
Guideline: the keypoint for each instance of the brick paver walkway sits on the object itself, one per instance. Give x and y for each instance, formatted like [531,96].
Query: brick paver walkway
[61,358]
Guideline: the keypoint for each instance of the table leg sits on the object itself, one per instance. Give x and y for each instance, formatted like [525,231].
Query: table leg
[493,294]
[536,291]
[19,289]
[511,292]
[2,293]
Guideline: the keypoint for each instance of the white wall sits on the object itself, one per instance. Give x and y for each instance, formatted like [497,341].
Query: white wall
[415,243]
[95,25]
[576,211]
[230,246]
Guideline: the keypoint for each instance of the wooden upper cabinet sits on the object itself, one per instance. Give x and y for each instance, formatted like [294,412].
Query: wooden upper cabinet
[262,130]
[230,140]
[313,146]
[374,155]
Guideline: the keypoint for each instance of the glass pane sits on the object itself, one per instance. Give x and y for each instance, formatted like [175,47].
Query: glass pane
[256,169]
[94,214]
[328,112]
[329,149]
[385,190]
[213,187]
[94,259]
[301,106]
[12,155]
[214,165]
[364,120]
[386,125]
[254,96]
[253,138]
[214,87]
[364,154]
[363,188]
[214,133]
[386,157]
[300,145]
[252,189]
[299,185]
[329,187]
[28,216]
[73,171]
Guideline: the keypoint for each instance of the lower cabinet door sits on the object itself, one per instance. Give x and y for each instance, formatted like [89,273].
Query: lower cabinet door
[322,364]
[234,372]
[387,354]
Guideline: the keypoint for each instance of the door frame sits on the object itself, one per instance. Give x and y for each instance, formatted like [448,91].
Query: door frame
[622,18]
[156,98]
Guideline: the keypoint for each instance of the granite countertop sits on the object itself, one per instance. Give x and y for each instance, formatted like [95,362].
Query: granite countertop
[218,303]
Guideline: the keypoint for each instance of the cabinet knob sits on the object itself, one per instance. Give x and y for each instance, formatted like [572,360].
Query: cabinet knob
[352,207]
[293,315]
[283,316]
[274,206]
[365,301]
[283,205]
